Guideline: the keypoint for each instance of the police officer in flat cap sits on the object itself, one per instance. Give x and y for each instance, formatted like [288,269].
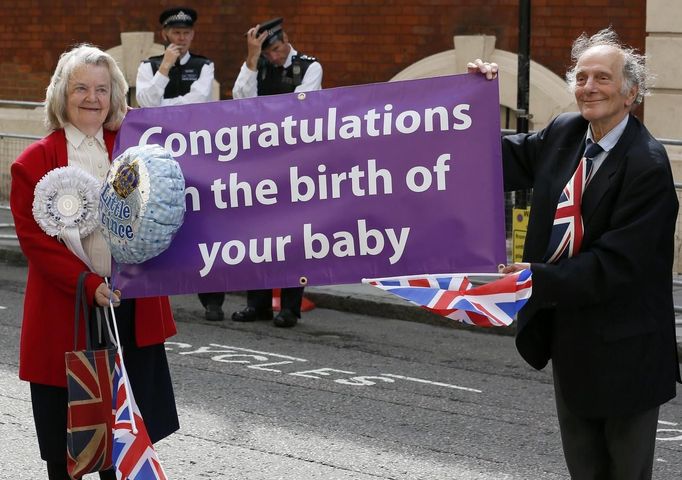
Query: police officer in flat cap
[177,77]
[274,66]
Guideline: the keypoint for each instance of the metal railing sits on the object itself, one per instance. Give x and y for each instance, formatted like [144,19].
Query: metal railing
[7,226]
[11,146]
[21,104]
[30,138]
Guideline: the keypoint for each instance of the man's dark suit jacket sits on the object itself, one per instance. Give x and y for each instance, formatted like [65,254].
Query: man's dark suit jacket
[605,316]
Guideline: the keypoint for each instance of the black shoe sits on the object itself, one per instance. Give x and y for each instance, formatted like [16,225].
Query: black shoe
[285,319]
[214,313]
[250,314]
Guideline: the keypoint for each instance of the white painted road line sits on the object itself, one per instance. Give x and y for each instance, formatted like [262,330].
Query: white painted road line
[430,382]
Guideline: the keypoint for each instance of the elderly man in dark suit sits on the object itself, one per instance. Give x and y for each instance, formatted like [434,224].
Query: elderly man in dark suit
[600,245]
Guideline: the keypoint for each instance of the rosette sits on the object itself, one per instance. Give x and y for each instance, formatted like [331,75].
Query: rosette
[142,203]
[65,204]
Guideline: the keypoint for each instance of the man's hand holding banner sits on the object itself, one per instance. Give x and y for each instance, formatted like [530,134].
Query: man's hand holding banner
[328,187]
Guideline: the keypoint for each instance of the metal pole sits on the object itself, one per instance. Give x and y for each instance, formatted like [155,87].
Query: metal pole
[523,84]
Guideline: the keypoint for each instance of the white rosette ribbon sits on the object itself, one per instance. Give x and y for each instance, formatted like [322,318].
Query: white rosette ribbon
[65,204]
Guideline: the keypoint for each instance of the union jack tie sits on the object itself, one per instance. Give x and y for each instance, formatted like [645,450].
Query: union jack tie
[567,229]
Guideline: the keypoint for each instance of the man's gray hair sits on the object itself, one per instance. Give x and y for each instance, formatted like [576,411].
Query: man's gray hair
[57,90]
[635,72]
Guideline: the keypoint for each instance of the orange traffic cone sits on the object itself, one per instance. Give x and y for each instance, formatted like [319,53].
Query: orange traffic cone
[276,299]
[306,304]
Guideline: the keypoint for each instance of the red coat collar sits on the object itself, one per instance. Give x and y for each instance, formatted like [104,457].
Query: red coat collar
[60,145]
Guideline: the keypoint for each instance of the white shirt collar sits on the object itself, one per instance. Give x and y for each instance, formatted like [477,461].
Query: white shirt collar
[75,137]
[609,140]
[185,58]
[292,52]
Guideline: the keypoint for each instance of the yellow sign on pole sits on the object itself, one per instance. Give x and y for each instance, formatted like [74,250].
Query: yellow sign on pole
[519,228]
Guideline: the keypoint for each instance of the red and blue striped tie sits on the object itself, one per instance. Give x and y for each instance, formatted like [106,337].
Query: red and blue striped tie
[567,229]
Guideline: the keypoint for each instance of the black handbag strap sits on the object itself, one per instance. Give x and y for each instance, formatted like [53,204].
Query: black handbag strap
[82,306]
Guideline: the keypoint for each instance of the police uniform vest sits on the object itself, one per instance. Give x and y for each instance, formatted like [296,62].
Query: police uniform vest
[181,77]
[273,80]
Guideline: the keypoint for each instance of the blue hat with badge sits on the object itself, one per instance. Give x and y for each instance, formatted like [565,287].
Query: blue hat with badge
[274,29]
[178,17]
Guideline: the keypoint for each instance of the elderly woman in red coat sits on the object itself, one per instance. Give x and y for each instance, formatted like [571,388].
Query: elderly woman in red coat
[85,103]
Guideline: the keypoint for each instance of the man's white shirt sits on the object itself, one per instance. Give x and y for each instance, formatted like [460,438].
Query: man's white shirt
[150,86]
[246,85]
[607,143]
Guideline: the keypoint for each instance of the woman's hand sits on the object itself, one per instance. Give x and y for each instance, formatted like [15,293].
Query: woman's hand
[103,294]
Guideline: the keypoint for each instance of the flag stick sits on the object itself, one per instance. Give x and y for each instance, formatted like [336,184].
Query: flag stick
[422,275]
[126,382]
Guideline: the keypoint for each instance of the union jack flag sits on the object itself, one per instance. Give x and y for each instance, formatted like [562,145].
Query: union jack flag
[454,296]
[89,376]
[567,230]
[133,453]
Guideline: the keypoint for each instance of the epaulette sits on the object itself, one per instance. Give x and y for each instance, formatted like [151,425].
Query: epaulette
[306,58]
[201,57]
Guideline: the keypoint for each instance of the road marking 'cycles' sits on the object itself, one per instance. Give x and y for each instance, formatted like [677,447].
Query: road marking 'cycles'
[265,361]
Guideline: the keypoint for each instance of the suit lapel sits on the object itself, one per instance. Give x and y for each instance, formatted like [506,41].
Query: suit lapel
[604,177]
[562,155]
[567,158]
[566,166]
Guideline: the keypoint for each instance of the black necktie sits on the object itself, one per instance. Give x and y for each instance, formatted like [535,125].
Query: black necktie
[591,150]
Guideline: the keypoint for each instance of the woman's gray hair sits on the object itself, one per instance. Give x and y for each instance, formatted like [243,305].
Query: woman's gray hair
[57,90]
[635,72]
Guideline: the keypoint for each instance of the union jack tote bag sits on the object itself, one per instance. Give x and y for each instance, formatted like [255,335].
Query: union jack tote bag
[90,375]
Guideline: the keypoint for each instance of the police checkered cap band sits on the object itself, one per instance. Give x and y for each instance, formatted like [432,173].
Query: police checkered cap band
[178,17]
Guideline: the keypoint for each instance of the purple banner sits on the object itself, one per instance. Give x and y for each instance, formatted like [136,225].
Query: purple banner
[328,187]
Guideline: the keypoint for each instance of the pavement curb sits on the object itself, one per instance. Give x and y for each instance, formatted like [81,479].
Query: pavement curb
[13,256]
[353,304]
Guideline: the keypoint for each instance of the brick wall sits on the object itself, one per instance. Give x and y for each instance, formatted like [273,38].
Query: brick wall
[357,41]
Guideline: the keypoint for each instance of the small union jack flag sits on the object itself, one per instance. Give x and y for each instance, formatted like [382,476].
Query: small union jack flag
[89,376]
[133,453]
[454,296]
